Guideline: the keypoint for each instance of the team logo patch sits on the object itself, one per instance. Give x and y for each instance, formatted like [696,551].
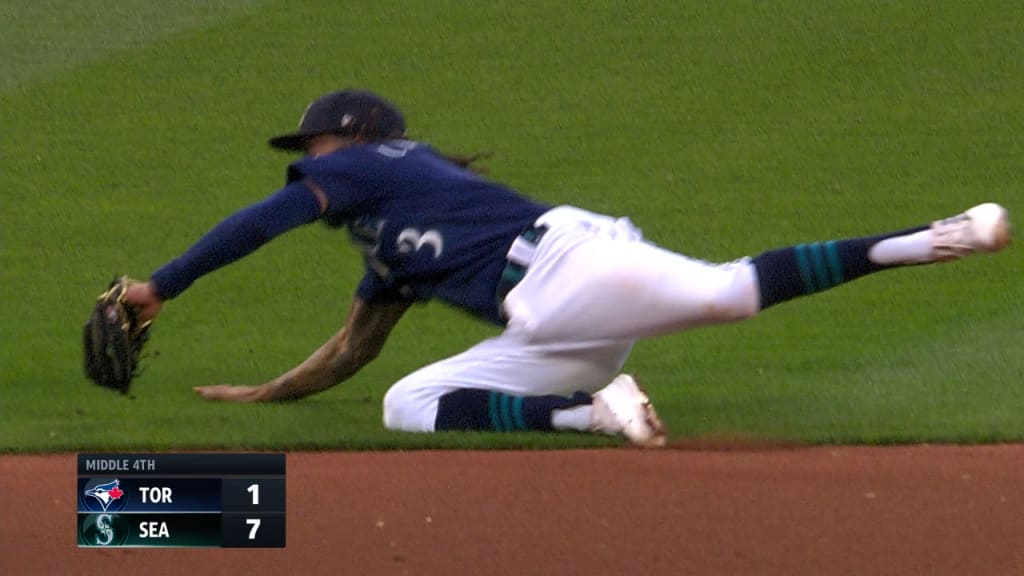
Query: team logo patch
[102,530]
[104,496]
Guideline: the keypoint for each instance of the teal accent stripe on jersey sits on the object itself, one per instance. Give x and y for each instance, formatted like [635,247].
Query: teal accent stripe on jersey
[818,260]
[513,273]
[800,251]
[834,264]
[531,235]
[492,405]
[517,412]
[506,412]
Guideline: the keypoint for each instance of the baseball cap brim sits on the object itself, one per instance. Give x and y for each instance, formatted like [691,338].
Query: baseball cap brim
[294,142]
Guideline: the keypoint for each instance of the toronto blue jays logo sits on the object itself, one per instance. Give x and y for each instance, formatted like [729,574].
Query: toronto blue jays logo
[106,494]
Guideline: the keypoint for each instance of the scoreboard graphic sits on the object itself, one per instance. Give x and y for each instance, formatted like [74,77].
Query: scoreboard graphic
[181,500]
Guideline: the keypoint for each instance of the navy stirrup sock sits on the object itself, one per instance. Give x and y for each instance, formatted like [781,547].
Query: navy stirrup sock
[472,409]
[805,269]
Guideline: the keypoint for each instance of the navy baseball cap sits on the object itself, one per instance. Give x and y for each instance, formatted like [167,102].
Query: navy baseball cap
[356,113]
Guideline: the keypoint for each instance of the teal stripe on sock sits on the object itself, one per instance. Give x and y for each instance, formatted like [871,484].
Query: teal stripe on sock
[800,251]
[506,412]
[492,405]
[834,264]
[517,412]
[818,260]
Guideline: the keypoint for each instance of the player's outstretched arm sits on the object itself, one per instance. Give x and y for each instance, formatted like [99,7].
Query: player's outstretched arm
[354,346]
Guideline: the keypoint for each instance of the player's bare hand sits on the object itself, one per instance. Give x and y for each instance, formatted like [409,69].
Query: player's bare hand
[228,393]
[143,298]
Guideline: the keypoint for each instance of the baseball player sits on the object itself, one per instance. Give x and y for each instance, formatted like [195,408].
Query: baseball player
[573,290]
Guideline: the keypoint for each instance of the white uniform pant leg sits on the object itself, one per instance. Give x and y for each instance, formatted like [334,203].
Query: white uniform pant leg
[599,282]
[503,364]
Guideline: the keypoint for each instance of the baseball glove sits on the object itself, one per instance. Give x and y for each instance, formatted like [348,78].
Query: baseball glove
[114,339]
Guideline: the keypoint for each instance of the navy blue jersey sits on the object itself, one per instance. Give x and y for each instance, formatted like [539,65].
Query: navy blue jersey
[426,227]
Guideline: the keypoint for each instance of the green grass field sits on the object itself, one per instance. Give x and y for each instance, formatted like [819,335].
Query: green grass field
[129,128]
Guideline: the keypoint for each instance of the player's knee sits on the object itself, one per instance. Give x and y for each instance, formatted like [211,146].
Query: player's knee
[393,416]
[404,413]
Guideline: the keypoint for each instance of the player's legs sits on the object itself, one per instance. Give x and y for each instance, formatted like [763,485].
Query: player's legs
[592,288]
[505,365]
[505,384]
[585,284]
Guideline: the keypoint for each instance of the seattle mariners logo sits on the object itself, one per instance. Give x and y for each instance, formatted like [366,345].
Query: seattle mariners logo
[101,497]
[102,530]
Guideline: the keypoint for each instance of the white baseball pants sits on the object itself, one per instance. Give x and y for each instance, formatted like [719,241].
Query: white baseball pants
[593,287]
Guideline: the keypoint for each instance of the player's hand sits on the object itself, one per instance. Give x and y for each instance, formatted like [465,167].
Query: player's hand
[228,393]
[143,298]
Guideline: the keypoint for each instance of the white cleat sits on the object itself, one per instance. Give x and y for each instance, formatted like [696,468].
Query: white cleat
[984,228]
[623,408]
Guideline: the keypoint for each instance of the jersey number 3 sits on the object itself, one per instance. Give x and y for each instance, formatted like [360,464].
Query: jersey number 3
[412,240]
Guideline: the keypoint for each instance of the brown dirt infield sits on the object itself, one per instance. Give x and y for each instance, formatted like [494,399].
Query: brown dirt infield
[696,509]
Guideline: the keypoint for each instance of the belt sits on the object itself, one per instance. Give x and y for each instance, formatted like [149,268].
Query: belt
[519,257]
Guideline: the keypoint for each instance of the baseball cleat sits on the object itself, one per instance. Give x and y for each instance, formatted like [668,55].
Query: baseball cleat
[623,408]
[984,228]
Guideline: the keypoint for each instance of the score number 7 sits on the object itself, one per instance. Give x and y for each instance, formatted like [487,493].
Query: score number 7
[255,523]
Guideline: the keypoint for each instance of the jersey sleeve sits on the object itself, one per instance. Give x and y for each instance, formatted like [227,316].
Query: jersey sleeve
[340,179]
[237,236]
[372,288]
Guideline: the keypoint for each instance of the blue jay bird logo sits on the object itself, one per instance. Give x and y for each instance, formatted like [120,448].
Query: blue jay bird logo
[106,493]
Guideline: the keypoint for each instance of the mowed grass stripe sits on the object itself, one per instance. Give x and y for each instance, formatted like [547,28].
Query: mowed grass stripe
[42,39]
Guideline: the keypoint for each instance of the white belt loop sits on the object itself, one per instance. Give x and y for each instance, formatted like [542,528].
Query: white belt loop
[521,252]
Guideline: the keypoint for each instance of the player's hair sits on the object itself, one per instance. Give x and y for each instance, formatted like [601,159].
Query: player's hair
[370,131]
[467,160]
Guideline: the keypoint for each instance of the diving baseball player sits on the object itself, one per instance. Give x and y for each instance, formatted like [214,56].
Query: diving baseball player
[574,290]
